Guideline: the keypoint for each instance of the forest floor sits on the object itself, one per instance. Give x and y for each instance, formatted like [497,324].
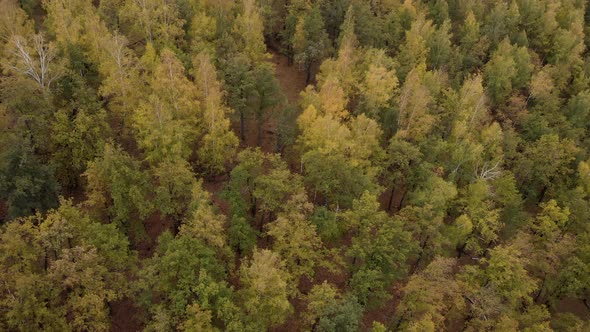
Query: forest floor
[291,79]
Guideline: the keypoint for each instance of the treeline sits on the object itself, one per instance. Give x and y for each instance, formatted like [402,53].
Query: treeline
[434,175]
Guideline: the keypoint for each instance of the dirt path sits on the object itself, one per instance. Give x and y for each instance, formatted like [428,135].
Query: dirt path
[291,79]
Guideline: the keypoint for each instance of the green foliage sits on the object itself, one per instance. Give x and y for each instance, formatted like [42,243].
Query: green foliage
[26,184]
[310,41]
[545,164]
[117,184]
[376,261]
[327,310]
[182,275]
[430,295]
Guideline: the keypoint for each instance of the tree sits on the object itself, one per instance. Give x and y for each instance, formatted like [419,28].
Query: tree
[508,69]
[310,42]
[167,123]
[264,296]
[35,59]
[24,286]
[261,183]
[249,26]
[403,160]
[375,261]
[183,274]
[503,275]
[379,83]
[544,165]
[327,310]
[203,222]
[267,96]
[156,20]
[173,182]
[218,145]
[27,185]
[116,183]
[295,239]
[70,268]
[79,273]
[473,46]
[414,51]
[79,131]
[239,85]
[431,295]
[414,121]
[340,161]
[439,46]
[481,218]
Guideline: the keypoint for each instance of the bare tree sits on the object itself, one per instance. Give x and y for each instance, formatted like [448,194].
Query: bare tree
[36,62]
[488,171]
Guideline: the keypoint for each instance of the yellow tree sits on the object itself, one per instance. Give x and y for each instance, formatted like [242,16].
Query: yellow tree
[219,143]
[249,26]
[295,238]
[167,123]
[157,20]
[414,118]
[265,292]
[340,161]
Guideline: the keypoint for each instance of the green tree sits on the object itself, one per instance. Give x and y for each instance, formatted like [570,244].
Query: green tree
[167,123]
[183,275]
[545,165]
[327,310]
[155,20]
[376,262]
[267,97]
[70,269]
[26,184]
[78,131]
[173,182]
[310,42]
[249,26]
[340,161]
[117,184]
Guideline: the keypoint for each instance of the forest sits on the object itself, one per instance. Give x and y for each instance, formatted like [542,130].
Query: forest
[295,165]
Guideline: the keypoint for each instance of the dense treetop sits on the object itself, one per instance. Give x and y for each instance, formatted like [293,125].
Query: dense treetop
[157,174]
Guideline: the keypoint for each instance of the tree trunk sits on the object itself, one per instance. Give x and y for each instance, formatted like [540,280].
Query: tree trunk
[540,289]
[242,125]
[401,201]
[460,250]
[390,199]
[308,74]
[542,194]
[259,134]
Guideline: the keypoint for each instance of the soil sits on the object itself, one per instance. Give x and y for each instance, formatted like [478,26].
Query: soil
[385,312]
[215,186]
[291,79]
[573,306]
[154,226]
[124,316]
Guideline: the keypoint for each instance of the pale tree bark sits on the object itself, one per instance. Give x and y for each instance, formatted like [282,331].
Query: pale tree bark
[35,61]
